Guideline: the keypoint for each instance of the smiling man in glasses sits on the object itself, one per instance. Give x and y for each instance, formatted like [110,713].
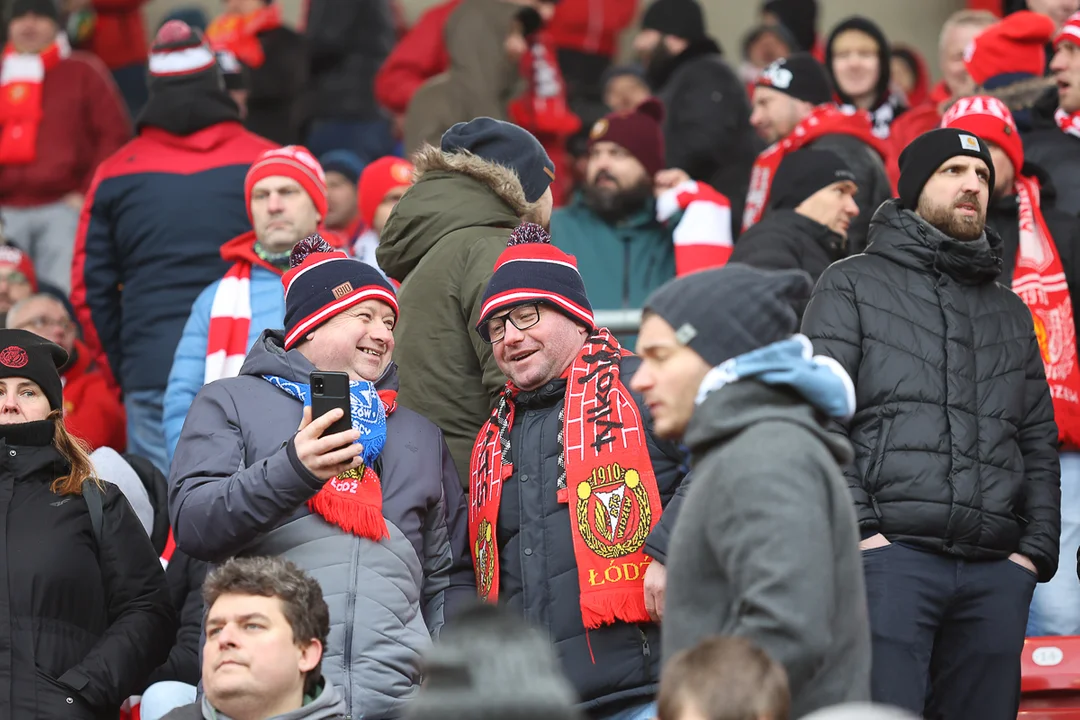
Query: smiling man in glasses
[572,497]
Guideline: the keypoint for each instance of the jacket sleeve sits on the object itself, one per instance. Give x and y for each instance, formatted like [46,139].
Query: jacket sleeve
[706,123]
[480,264]
[188,368]
[871,178]
[216,508]
[142,621]
[419,55]
[95,278]
[185,576]
[780,562]
[284,73]
[107,116]
[97,416]
[1042,471]
[449,583]
[760,247]
[832,324]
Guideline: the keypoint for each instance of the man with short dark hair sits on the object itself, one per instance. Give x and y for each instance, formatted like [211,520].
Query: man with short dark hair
[955,479]
[266,631]
[811,208]
[572,496]
[723,677]
[343,169]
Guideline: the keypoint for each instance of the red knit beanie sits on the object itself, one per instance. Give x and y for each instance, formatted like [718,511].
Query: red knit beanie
[295,163]
[11,255]
[1016,44]
[991,120]
[378,179]
[639,131]
[1069,31]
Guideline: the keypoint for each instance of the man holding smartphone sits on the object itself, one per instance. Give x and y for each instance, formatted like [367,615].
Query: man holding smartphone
[375,513]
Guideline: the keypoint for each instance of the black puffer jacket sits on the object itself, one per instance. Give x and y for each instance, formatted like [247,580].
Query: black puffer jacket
[786,240]
[538,572]
[82,624]
[954,434]
[1055,151]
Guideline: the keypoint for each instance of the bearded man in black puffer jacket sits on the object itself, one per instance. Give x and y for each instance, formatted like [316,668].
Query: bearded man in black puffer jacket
[955,481]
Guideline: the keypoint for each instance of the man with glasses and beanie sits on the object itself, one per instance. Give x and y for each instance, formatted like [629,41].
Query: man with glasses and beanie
[572,498]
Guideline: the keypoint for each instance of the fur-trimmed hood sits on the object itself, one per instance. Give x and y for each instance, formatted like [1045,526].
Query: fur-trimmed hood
[452,191]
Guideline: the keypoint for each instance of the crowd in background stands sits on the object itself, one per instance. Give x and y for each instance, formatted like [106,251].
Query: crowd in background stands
[198,221]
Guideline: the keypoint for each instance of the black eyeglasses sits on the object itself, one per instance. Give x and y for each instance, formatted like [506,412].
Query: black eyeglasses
[522,317]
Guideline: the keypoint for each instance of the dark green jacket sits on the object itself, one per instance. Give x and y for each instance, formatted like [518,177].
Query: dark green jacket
[442,241]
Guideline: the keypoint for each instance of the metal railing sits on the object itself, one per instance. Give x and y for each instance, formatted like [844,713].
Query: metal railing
[619,321]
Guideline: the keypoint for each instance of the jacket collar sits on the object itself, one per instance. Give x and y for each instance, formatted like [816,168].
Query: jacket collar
[658,76]
[905,238]
[27,449]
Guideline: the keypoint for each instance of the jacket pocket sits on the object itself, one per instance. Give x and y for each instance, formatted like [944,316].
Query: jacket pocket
[56,700]
[873,471]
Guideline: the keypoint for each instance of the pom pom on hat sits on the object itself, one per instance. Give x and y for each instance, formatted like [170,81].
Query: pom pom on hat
[528,233]
[311,244]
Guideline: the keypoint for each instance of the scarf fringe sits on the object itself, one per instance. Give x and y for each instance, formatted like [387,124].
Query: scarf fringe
[628,605]
[352,516]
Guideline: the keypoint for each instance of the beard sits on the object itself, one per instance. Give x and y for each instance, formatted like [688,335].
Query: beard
[945,219]
[613,205]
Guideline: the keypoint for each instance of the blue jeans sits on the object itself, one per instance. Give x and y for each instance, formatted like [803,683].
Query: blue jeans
[369,140]
[161,698]
[146,436]
[1055,609]
[640,712]
[131,80]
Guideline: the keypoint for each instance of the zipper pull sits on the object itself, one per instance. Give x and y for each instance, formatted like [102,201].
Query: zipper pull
[645,649]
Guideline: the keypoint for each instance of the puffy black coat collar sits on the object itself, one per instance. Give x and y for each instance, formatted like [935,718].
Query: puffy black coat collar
[26,450]
[905,238]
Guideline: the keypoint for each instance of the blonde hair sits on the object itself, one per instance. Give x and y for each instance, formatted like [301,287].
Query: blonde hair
[77,454]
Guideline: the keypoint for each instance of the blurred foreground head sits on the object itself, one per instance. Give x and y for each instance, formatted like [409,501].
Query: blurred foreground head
[490,665]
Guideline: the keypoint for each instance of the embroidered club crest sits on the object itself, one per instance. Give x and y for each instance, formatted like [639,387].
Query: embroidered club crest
[483,552]
[613,511]
[13,357]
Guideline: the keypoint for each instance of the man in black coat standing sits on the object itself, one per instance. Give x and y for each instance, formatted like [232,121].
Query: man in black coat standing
[707,129]
[805,227]
[955,479]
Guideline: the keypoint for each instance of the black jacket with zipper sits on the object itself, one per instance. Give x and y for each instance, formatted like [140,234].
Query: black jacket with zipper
[954,434]
[538,571]
[81,625]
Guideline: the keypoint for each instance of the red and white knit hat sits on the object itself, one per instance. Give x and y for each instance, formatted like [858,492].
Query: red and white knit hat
[180,50]
[11,255]
[294,162]
[990,119]
[1014,45]
[323,283]
[1069,31]
[377,180]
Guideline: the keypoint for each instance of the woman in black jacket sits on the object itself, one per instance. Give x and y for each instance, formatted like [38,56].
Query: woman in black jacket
[84,607]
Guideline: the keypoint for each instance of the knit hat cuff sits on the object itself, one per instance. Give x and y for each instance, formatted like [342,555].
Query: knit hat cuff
[520,296]
[293,162]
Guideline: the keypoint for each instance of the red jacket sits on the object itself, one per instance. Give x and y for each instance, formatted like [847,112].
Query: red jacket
[92,409]
[119,37]
[84,121]
[420,55]
[592,26]
[913,123]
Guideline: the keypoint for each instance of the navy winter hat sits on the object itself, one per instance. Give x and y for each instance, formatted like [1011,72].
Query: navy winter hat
[323,283]
[344,162]
[758,308]
[926,153]
[505,144]
[531,269]
[26,355]
[681,18]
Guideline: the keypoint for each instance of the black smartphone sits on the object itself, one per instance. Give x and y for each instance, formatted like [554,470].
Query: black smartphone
[330,390]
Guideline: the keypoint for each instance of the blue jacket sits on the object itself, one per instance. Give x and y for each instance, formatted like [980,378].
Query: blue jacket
[155,218]
[189,364]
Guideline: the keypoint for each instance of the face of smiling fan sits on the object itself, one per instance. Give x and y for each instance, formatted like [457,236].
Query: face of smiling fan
[541,353]
[358,341]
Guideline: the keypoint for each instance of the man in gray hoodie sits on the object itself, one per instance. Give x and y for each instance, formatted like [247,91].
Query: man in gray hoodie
[766,546]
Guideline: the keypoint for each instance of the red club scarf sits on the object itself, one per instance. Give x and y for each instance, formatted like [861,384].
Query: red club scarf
[353,500]
[1068,122]
[605,472]
[1039,279]
[238,33]
[21,79]
[230,314]
[824,120]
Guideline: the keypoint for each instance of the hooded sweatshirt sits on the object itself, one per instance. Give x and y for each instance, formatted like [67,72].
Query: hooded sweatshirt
[767,546]
[327,705]
[887,105]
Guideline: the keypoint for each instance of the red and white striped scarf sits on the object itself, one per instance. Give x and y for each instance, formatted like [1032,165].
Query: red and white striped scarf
[703,236]
[1068,122]
[22,77]
[230,314]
